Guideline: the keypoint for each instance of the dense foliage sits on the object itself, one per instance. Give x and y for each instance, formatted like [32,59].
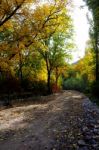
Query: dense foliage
[35,41]
[84,74]
[93,6]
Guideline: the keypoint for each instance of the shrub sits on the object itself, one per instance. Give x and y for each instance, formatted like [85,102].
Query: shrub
[74,84]
[10,85]
[55,88]
[39,87]
[95,88]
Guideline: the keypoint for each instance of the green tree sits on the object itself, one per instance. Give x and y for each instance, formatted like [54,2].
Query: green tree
[55,56]
[94,31]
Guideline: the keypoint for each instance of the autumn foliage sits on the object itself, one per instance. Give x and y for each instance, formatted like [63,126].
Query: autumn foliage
[32,44]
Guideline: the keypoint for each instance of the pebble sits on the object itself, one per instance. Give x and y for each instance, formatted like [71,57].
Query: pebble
[85,129]
[96,126]
[88,138]
[96,131]
[81,143]
[83,148]
[95,145]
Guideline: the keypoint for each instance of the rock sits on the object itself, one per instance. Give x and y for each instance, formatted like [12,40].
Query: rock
[96,131]
[96,137]
[81,143]
[96,126]
[85,129]
[98,121]
[88,138]
[87,133]
[92,142]
[90,125]
[95,145]
[83,148]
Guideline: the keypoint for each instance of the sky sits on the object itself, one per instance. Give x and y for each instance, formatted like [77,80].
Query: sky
[81,28]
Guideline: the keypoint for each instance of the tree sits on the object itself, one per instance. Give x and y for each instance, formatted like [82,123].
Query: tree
[57,20]
[55,56]
[8,8]
[94,32]
[85,67]
[32,29]
[60,49]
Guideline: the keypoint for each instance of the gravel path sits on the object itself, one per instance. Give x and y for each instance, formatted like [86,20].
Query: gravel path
[65,121]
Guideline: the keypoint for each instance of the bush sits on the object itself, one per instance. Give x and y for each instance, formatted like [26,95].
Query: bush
[55,88]
[10,85]
[95,88]
[39,87]
[36,87]
[74,84]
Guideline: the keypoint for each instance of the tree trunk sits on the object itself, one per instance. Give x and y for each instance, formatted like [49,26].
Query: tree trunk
[97,66]
[97,56]
[20,69]
[48,67]
[48,81]
[57,76]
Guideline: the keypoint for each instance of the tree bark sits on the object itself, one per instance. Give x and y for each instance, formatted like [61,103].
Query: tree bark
[20,69]
[10,14]
[48,81]
[97,56]
[49,70]
[57,76]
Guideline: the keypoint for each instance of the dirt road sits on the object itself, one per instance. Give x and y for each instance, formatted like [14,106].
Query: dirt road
[65,121]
